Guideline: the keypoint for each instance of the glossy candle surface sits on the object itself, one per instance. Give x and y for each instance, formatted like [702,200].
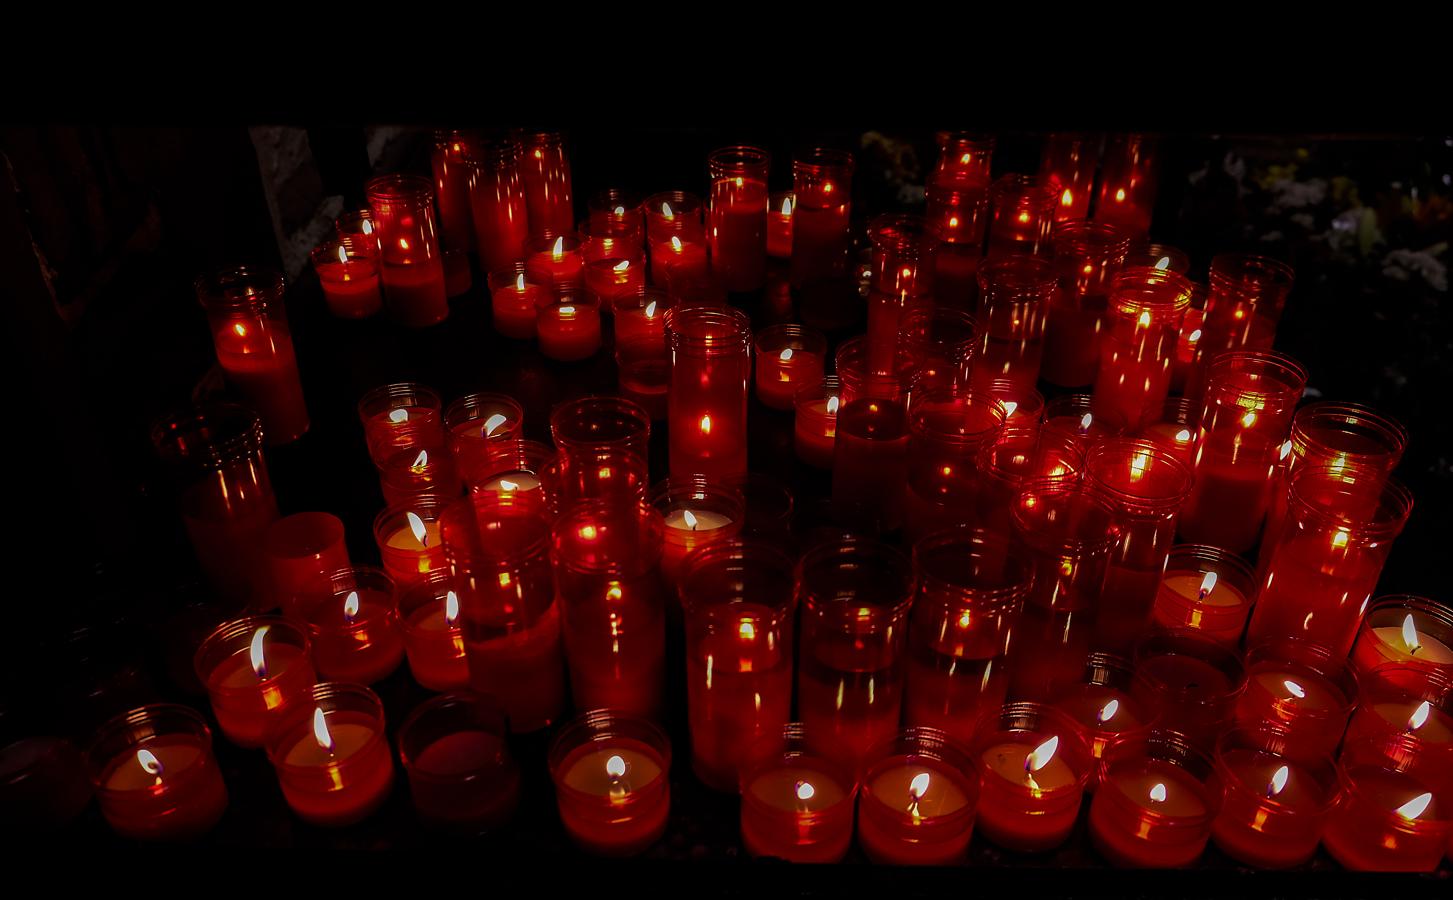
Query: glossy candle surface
[250,698]
[611,783]
[1274,808]
[514,296]
[1406,630]
[155,776]
[1087,257]
[340,777]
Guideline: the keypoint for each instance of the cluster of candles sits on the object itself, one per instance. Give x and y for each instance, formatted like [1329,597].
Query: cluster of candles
[1045,644]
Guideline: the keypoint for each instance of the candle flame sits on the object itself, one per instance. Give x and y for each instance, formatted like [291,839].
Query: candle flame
[416,525]
[1286,448]
[1144,320]
[747,630]
[148,761]
[492,424]
[342,254]
[1410,635]
[739,182]
[398,415]
[1416,806]
[1208,584]
[1108,711]
[254,652]
[587,532]
[1120,195]
[689,518]
[827,187]
[622,265]
[676,243]
[1163,264]
[1249,419]
[1138,464]
[651,310]
[1085,421]
[953,221]
[706,424]
[787,211]
[420,462]
[1420,716]
[1194,336]
[567,312]
[1041,755]
[350,606]
[1024,218]
[1295,689]
[832,405]
[1067,198]
[558,251]
[507,485]
[785,354]
[805,790]
[1278,781]
[964,160]
[320,729]
[1339,539]
[1183,436]
[520,282]
[615,767]
[620,210]
[918,786]
[666,211]
[451,608]
[240,329]
[403,243]
[1157,793]
[367,227]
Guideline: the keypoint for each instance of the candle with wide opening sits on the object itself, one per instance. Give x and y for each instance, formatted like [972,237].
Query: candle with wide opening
[334,764]
[611,782]
[1034,767]
[155,776]
[257,672]
[348,275]
[797,804]
[352,622]
[917,800]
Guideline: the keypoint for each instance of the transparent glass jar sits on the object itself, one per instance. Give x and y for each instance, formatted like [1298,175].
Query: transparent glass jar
[737,217]
[822,187]
[497,197]
[711,365]
[545,171]
[412,269]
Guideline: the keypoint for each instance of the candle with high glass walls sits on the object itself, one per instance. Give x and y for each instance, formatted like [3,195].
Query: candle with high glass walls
[409,542]
[917,801]
[1190,338]
[1102,707]
[516,472]
[619,211]
[673,214]
[224,495]
[1246,412]
[410,475]
[433,633]
[1175,429]
[615,278]
[1206,590]
[797,802]
[1020,454]
[1396,811]
[814,424]
[476,424]
[456,220]
[1243,306]
[711,363]
[1145,487]
[736,227]
[400,416]
[855,595]
[1190,684]
[462,777]
[554,261]
[1015,296]
[497,198]
[296,550]
[612,781]
[513,296]
[545,171]
[568,326]
[643,374]
[257,674]
[1034,767]
[334,763]
[1300,689]
[971,588]
[1402,700]
[352,620]
[641,316]
[255,346]
[900,278]
[1275,804]
[936,348]
[788,357]
[155,776]
[1069,162]
[1127,183]
[697,513]
[822,190]
[1408,630]
[1137,345]
[44,785]
[412,265]
[1157,798]
[739,599]
[870,457]
[1023,210]
[499,562]
[612,474]
[587,425]
[946,429]
[1071,415]
[613,606]
[779,225]
[348,275]
[1088,257]
[1324,564]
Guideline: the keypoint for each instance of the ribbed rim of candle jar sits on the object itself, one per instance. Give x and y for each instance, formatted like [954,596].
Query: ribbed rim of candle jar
[1315,423]
[1274,741]
[210,436]
[1037,190]
[1250,277]
[1137,291]
[708,330]
[573,476]
[1406,755]
[962,419]
[1161,491]
[821,160]
[235,636]
[1016,277]
[643,299]
[1178,411]
[1089,538]
[544,242]
[1018,400]
[1394,500]
[776,338]
[495,151]
[1105,669]
[480,406]
[335,586]
[465,711]
[626,424]
[1193,645]
[739,159]
[353,247]
[1277,380]
[1026,716]
[124,731]
[829,387]
[1205,558]
[966,544]
[250,288]
[849,559]
[727,567]
[407,190]
[1163,745]
[517,455]
[1077,240]
[1150,255]
[443,137]
[399,394]
[330,696]
[1033,445]
[595,724]
[1392,609]
[952,331]
[646,539]
[921,743]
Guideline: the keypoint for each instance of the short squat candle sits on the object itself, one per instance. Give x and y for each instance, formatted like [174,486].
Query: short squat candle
[1206,590]
[513,297]
[298,549]
[410,476]
[400,416]
[461,775]
[515,472]
[1102,706]
[568,326]
[1396,812]
[696,514]
[155,776]
[258,673]
[554,262]
[641,317]
[348,274]
[814,427]
[918,799]
[612,782]
[475,425]
[1275,805]
[1190,684]
[797,803]
[1301,689]
[1157,798]
[1401,700]
[1034,767]
[412,260]
[787,357]
[1408,630]
[334,764]
[409,542]
[433,636]
[352,620]
[613,278]
[1071,415]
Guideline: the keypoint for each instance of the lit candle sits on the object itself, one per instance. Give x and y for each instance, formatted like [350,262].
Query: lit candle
[1034,767]
[433,638]
[694,525]
[611,784]
[513,299]
[779,226]
[257,671]
[568,327]
[334,765]
[1275,807]
[349,278]
[1299,689]
[737,216]
[1102,712]
[612,278]
[353,626]
[1207,590]
[918,802]
[676,262]
[155,776]
[1155,804]
[478,426]
[413,267]
[408,541]
[554,262]
[814,430]
[400,416]
[641,317]
[1394,814]
[1407,630]
[787,358]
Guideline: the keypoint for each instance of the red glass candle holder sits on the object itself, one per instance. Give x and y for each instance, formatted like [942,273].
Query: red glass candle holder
[739,599]
[255,346]
[1206,590]
[1034,767]
[1158,256]
[612,783]
[1069,162]
[348,275]
[409,542]
[1023,406]
[641,317]
[448,159]
[497,198]
[1137,346]
[412,264]
[1394,813]
[618,211]
[356,225]
[476,425]
[614,277]
[1015,296]
[1275,804]
[514,296]
[855,596]
[643,374]
[1157,799]
[822,189]
[1243,306]
[673,213]
[1022,214]
[411,476]
[788,357]
[1175,429]
[695,514]
[947,430]
[797,802]
[900,277]
[258,673]
[918,800]
[554,261]
[814,428]
[429,616]
[353,625]
[936,348]
[710,366]
[334,764]
[1399,700]
[958,188]
[568,326]
[1407,630]
[1128,177]
[1190,338]
[589,424]
[779,225]
[870,458]
[971,588]
[298,549]
[1071,415]
[516,472]
[1088,257]
[400,416]
[606,559]
[1102,706]
[615,476]
[461,775]
[545,171]
[43,785]
[1019,455]
[155,776]
[737,216]
[1301,690]
[1190,684]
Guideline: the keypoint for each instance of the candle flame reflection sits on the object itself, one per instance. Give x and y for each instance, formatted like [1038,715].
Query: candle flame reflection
[666,211]
[420,462]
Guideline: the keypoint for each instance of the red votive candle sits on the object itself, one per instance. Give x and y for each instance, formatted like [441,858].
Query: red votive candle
[356,225]
[1157,798]
[514,294]
[779,225]
[739,599]
[1407,630]
[1102,706]
[1206,590]
[298,549]
[1087,256]
[1174,429]
[641,317]
[43,785]
[408,540]
[1015,296]
[477,425]
[1190,338]
[609,236]
[1300,690]
[258,673]
[1023,406]
[461,775]
[1127,183]
[1070,415]
[1243,306]
[855,596]
[710,366]
[412,264]
[1069,162]
[433,634]
[1022,214]
[788,357]
[554,262]
[399,416]
[334,764]
[497,199]
[612,781]
[797,802]
[936,348]
[814,426]
[154,774]
[900,277]
[736,226]
[545,170]
[643,374]
[696,514]
[1401,700]
[448,160]
[516,470]
[348,274]
[618,211]
[673,214]
[587,425]
[1137,347]
[1034,767]
[614,278]
[917,801]
[353,625]
[408,477]
[568,326]
[822,192]
[1190,684]
[1276,804]
[1394,814]
[1020,454]
[947,428]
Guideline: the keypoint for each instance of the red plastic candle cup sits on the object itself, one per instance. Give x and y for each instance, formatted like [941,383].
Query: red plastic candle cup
[768,507]
[696,513]
[1276,804]
[606,557]
[499,554]
[605,235]
[1071,415]
[224,495]
[298,549]
[1015,296]
[739,599]
[797,802]
[1247,409]
[618,212]
[514,294]
[448,159]
[1022,214]
[409,542]
[1190,684]
[399,416]
[788,357]
[1127,183]
[917,801]
[1243,306]
[516,471]
[357,225]
[1325,562]
[1402,700]
[412,264]
[822,189]
[554,261]
[476,425]
[946,431]
[1020,454]
[737,216]
[686,272]
[1190,338]
[674,214]
[461,775]
[258,673]
[334,763]
[1175,429]
[1102,706]
[567,326]
[641,317]
[586,425]
[433,633]
[411,476]
[44,785]
[353,625]
[497,198]
[610,475]
[936,348]
[1087,257]
[255,346]
[1206,590]
[1395,813]
[348,274]
[612,781]
[1034,767]
[1407,630]
[545,171]
[814,427]
[855,595]
[711,363]
[1023,406]
[971,588]
[870,458]
[958,188]
[1069,162]
[900,277]
[615,277]
[1299,689]
[779,225]
[643,373]
[1157,798]
[155,776]
[1137,345]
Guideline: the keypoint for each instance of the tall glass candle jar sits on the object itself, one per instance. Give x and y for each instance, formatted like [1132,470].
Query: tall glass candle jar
[1189,684]
[1157,798]
[1088,257]
[1015,296]
[1407,630]
[456,220]
[334,765]
[1275,805]
[255,346]
[1395,813]
[946,431]
[1137,347]
[1035,767]
[797,802]
[476,424]
[400,416]
[1300,689]
[737,216]
[612,781]
[870,458]
[917,801]
[936,348]
[258,673]
[1127,183]
[545,171]
[822,190]
[711,364]
[497,197]
[1207,590]
[586,425]
[1019,455]
[1243,307]
[461,776]
[959,184]
[900,277]
[1069,162]
[155,776]
[412,265]
[1022,214]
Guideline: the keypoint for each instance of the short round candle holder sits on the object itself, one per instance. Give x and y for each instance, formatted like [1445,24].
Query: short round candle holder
[797,802]
[1275,804]
[258,672]
[1157,799]
[334,764]
[612,783]
[1396,813]
[155,776]
[918,798]
[1034,767]
[461,775]
[1190,684]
